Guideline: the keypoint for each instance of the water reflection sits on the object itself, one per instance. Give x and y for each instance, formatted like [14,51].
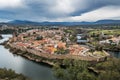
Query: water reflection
[115,54]
[5,38]
[21,65]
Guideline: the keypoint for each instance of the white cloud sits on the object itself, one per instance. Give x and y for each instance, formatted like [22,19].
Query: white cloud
[62,6]
[65,7]
[4,20]
[108,12]
[11,4]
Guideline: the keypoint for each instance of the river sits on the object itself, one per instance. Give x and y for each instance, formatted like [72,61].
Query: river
[28,68]
[115,54]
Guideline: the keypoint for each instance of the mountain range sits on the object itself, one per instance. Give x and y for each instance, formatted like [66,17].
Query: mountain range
[25,22]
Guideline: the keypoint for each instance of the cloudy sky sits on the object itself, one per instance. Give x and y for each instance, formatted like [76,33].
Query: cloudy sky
[59,10]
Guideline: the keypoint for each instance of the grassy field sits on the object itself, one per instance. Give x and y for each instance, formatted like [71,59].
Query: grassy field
[108,32]
[100,53]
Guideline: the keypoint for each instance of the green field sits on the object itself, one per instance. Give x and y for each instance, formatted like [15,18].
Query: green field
[108,32]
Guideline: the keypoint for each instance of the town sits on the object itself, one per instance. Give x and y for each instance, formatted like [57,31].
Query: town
[57,43]
[59,39]
[54,45]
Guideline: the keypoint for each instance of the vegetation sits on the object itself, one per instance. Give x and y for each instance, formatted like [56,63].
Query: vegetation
[75,70]
[73,38]
[72,34]
[97,35]
[11,75]
[62,51]
[7,31]
[111,68]
[39,38]
[68,31]
[107,32]
[80,70]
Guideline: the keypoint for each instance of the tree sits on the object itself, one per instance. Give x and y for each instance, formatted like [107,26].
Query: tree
[111,75]
[75,70]
[99,47]
[111,68]
[62,51]
[11,75]
[39,38]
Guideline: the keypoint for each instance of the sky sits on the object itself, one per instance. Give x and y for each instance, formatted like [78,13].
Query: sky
[59,10]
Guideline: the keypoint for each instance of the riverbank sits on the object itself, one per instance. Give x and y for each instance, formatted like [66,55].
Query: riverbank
[1,37]
[49,59]
[11,75]
[27,54]
[22,65]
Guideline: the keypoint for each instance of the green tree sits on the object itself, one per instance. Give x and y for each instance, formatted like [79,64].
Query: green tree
[39,38]
[11,75]
[75,70]
[109,70]
[62,51]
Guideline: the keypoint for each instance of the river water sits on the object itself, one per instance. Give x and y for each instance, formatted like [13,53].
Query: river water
[115,54]
[28,68]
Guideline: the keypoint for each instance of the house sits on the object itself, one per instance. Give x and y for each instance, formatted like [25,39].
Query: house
[81,38]
[114,40]
[50,49]
[77,50]
[105,36]
[61,45]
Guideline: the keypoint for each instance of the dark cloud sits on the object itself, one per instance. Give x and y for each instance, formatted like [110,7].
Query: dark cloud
[54,9]
[95,4]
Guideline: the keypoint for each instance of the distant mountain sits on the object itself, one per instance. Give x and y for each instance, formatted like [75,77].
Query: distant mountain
[22,22]
[107,22]
[25,22]
[47,23]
